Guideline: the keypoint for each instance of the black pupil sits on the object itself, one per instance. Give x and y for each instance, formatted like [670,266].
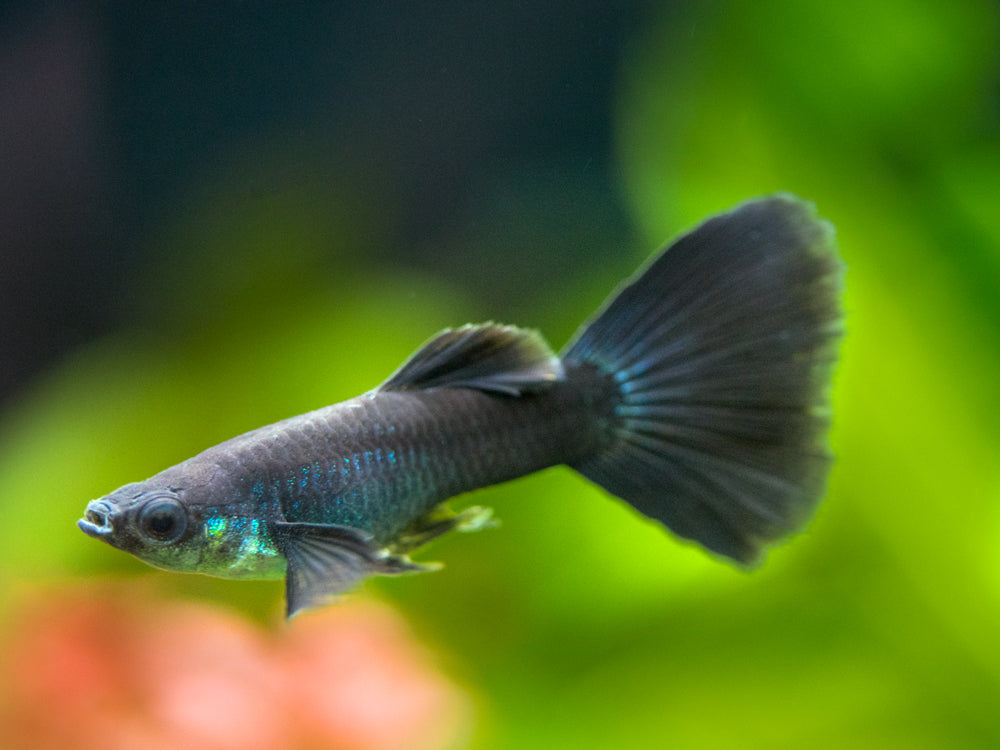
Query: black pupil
[161,522]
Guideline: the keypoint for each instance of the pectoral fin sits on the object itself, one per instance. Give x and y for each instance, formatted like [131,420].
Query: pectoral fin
[325,560]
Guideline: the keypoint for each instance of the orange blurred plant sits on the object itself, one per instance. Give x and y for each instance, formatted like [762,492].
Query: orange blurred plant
[117,669]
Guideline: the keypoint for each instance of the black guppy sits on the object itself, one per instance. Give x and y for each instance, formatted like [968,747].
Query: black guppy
[697,394]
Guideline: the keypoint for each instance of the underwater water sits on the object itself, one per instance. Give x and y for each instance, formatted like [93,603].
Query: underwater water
[232,216]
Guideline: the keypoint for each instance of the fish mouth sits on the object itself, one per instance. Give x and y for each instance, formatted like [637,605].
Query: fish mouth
[96,521]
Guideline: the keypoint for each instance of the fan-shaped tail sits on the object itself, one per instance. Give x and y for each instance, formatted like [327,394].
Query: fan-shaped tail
[722,349]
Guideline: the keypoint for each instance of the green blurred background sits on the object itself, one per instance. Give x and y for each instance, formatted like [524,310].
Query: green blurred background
[220,217]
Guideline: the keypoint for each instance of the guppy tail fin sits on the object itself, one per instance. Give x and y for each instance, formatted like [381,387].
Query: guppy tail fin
[722,349]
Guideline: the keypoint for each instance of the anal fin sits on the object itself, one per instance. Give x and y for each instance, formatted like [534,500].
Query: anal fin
[440,520]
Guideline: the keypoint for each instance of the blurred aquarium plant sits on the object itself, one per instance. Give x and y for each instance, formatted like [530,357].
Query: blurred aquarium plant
[577,624]
[127,669]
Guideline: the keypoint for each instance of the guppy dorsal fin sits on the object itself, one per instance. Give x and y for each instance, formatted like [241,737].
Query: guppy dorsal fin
[325,560]
[488,357]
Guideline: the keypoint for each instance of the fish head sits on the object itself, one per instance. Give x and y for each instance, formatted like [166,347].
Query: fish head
[187,520]
[152,522]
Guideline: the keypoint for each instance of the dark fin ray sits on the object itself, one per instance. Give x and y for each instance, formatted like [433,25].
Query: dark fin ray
[722,349]
[488,357]
[441,520]
[325,560]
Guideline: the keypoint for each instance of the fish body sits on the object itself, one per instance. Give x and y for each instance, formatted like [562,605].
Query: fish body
[697,395]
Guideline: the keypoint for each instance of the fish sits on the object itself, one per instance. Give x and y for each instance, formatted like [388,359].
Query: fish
[698,394]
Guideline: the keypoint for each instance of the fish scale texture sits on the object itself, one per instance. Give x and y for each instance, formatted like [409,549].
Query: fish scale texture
[380,460]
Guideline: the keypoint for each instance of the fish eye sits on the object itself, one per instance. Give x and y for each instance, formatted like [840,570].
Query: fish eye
[163,520]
